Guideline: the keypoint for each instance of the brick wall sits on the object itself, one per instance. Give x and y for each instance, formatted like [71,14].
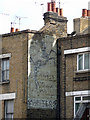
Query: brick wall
[81,25]
[16,44]
[68,72]
[42,66]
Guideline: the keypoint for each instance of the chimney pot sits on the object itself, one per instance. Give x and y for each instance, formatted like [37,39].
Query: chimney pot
[52,0]
[58,11]
[53,6]
[88,13]
[12,29]
[16,30]
[61,12]
[49,7]
[84,12]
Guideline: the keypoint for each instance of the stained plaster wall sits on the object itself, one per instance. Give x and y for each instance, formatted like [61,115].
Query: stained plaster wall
[42,73]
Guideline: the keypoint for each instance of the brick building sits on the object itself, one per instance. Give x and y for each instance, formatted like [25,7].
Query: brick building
[13,61]
[74,71]
[74,74]
[29,68]
[39,73]
[82,24]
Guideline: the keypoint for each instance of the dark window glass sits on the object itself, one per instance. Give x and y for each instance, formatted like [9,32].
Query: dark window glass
[5,69]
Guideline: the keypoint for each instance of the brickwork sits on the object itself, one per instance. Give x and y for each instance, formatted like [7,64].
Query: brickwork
[39,65]
[69,71]
[42,62]
[17,46]
[81,25]
[33,68]
[55,24]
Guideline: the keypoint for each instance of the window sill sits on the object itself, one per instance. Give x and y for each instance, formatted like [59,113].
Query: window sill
[5,82]
[82,71]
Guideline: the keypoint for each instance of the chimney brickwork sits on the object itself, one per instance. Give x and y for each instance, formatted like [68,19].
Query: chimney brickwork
[81,25]
[58,24]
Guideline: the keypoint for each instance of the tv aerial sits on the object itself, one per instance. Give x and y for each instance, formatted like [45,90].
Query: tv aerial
[59,3]
[41,4]
[4,14]
[19,20]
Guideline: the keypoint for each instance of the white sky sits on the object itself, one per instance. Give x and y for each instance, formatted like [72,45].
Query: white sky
[33,13]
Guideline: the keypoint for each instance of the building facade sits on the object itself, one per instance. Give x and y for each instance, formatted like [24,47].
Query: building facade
[74,70]
[45,74]
[28,62]
[75,77]
[42,67]
[13,82]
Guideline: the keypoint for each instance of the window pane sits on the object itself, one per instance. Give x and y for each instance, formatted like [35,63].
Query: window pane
[7,74]
[86,61]
[80,62]
[2,75]
[9,109]
[77,98]
[76,107]
[86,98]
[9,106]
[4,64]
[5,69]
[9,116]
[7,64]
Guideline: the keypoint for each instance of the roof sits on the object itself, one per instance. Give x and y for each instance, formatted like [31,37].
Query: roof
[19,32]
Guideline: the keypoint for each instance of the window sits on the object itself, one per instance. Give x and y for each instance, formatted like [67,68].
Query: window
[9,109]
[78,100]
[5,70]
[83,61]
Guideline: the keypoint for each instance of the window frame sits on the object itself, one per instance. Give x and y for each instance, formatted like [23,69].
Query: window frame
[7,70]
[80,101]
[6,112]
[83,67]
[4,56]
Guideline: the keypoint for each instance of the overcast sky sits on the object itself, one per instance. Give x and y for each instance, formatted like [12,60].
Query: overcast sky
[31,13]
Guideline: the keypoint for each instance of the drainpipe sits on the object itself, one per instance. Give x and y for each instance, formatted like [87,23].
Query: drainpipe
[58,81]
[64,87]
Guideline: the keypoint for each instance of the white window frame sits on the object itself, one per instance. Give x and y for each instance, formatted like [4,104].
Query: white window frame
[80,101]
[6,70]
[9,113]
[4,56]
[83,61]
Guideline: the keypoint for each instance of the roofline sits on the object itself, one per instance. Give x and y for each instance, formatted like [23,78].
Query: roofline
[20,32]
[74,37]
